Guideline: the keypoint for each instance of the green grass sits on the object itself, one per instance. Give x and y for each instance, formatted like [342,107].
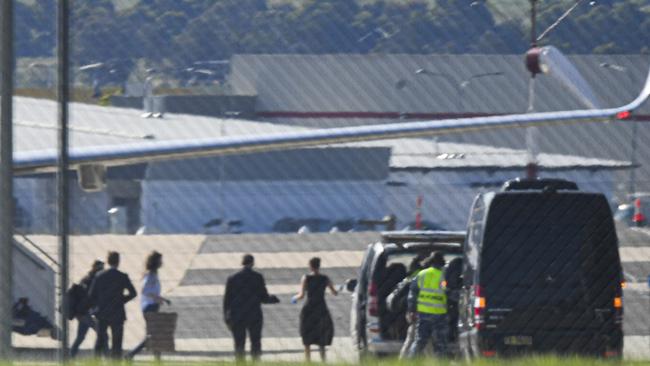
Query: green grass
[524,361]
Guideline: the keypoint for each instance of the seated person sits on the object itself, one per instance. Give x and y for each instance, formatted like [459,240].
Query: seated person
[396,300]
[27,321]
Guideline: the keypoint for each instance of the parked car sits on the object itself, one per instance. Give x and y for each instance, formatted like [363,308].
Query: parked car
[635,211]
[374,329]
[319,225]
[541,273]
[424,225]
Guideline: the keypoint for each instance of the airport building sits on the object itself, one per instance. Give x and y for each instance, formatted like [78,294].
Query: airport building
[318,188]
[342,90]
[322,188]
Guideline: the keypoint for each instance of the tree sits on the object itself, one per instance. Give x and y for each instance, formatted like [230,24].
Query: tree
[325,26]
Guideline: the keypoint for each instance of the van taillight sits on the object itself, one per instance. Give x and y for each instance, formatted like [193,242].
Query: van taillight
[479,307]
[373,302]
[372,289]
[489,353]
[618,311]
[612,354]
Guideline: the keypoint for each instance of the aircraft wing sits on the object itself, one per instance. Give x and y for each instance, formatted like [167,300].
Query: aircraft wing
[45,161]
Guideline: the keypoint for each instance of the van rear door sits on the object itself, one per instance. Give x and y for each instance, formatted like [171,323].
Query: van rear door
[549,264]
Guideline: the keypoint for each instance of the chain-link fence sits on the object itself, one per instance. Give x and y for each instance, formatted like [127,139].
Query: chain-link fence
[170,75]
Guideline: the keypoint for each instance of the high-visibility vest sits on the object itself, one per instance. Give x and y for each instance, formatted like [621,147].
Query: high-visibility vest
[431,298]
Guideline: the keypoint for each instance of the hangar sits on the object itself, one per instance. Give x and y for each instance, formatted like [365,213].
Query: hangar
[319,188]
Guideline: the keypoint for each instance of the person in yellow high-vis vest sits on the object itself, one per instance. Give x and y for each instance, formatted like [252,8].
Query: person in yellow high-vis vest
[396,302]
[427,305]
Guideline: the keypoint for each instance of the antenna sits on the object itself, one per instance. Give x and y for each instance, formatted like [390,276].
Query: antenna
[549,60]
[533,65]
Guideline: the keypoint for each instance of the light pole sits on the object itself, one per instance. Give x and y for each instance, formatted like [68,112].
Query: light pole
[94,69]
[7,61]
[632,183]
[459,85]
[40,68]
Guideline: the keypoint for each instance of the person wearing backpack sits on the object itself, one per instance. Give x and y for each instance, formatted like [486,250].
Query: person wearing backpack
[107,296]
[396,302]
[79,306]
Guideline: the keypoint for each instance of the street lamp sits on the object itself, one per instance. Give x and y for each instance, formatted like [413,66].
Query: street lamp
[94,69]
[47,68]
[459,85]
[623,69]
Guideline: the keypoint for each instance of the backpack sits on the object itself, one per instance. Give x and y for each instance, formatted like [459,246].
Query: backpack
[396,301]
[76,299]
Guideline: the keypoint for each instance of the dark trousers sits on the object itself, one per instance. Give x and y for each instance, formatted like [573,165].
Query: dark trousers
[431,326]
[85,322]
[153,308]
[254,329]
[117,332]
[452,314]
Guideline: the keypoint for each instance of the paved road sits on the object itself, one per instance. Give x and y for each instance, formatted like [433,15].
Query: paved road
[200,315]
[636,266]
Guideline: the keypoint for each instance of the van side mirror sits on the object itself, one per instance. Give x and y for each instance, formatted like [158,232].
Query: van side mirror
[351,284]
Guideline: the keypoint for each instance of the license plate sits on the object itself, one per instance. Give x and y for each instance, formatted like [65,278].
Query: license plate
[518,341]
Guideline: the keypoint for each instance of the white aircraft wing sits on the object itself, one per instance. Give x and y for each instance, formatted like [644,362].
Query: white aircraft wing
[44,161]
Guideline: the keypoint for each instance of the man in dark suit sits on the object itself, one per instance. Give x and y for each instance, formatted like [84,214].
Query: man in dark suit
[242,310]
[107,296]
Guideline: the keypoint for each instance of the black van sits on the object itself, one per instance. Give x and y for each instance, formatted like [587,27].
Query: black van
[376,330]
[541,273]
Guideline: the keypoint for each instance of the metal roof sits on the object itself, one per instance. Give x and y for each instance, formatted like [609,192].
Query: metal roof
[349,90]
[389,83]
[430,154]
[93,125]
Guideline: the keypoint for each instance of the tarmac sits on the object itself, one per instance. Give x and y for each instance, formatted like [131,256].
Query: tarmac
[196,267]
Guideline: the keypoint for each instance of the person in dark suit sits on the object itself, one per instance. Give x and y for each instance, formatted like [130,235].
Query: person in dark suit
[107,296]
[82,311]
[242,310]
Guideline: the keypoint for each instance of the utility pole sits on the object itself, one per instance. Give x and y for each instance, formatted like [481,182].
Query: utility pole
[532,64]
[6,177]
[63,94]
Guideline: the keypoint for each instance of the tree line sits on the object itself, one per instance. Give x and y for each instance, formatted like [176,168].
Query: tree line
[180,32]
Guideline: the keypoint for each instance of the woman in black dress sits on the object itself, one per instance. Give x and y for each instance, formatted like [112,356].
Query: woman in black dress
[316,326]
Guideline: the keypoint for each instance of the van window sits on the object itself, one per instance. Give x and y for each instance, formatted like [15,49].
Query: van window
[394,267]
[549,249]
[391,268]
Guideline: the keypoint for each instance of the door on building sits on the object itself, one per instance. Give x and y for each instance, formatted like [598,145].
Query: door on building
[131,206]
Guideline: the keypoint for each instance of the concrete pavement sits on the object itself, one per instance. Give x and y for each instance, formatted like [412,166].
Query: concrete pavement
[196,267]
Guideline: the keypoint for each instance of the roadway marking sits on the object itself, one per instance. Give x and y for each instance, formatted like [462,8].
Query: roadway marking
[332,258]
[219,290]
[640,230]
[634,254]
[636,347]
[636,286]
